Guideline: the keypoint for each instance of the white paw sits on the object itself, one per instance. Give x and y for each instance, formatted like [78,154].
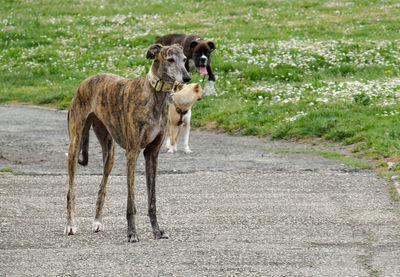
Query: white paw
[69,230]
[188,151]
[97,227]
[209,88]
[171,150]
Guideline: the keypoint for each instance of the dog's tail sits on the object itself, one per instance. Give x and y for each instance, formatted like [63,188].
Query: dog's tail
[85,144]
[72,113]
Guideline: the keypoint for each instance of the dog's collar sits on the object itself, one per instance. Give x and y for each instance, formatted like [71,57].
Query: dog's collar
[181,113]
[161,86]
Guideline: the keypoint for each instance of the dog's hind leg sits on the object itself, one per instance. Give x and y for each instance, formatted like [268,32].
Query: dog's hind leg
[107,147]
[151,156]
[76,122]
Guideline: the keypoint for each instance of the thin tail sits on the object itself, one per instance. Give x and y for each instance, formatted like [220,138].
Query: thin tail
[85,143]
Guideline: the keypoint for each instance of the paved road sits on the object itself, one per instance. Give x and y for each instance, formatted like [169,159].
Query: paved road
[232,209]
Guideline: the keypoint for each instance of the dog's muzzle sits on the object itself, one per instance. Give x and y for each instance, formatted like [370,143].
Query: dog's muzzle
[203,60]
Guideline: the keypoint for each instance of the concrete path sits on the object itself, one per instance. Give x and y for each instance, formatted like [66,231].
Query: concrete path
[232,208]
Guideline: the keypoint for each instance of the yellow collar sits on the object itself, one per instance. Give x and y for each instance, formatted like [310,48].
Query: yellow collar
[161,86]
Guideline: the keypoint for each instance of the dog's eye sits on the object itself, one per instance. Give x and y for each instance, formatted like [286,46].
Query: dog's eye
[171,60]
[184,60]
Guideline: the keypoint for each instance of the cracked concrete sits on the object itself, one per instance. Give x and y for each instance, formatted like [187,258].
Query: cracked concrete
[232,209]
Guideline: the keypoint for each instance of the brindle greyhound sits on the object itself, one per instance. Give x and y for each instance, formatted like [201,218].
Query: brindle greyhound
[134,114]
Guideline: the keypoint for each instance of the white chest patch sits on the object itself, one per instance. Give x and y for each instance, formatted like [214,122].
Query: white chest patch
[186,117]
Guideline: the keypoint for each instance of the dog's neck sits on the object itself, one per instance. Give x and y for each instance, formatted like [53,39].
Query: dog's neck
[158,84]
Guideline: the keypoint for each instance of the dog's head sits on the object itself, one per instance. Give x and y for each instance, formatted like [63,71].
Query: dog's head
[169,62]
[201,54]
[186,95]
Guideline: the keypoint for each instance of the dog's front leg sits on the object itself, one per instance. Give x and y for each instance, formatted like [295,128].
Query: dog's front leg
[151,157]
[209,87]
[211,77]
[131,159]
[168,139]
[186,130]
[107,146]
[174,139]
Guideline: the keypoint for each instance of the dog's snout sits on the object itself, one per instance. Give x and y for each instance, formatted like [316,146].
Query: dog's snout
[203,59]
[186,79]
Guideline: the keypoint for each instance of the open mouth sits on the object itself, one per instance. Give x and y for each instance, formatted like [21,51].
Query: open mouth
[202,70]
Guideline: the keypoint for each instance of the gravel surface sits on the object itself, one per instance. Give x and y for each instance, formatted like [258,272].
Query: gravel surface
[232,208]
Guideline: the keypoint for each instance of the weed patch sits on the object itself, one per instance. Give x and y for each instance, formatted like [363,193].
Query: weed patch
[285,69]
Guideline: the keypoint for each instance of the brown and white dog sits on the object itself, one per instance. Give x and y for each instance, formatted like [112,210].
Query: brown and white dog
[133,113]
[198,53]
[179,115]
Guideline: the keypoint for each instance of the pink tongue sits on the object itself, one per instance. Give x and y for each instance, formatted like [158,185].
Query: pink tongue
[203,70]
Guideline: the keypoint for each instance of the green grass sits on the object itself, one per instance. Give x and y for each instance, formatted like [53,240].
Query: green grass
[347,160]
[285,69]
[393,193]
[7,170]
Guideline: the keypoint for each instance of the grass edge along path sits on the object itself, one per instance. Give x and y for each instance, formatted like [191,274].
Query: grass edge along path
[285,69]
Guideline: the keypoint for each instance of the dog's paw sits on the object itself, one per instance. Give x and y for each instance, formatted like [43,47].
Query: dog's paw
[133,238]
[188,151]
[209,88]
[171,150]
[69,230]
[83,162]
[161,235]
[97,227]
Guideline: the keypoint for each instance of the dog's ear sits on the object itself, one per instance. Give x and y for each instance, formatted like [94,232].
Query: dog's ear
[172,49]
[180,87]
[197,88]
[193,44]
[153,51]
[178,45]
[211,45]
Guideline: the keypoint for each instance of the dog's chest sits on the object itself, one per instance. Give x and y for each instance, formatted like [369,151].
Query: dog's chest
[156,130]
[152,131]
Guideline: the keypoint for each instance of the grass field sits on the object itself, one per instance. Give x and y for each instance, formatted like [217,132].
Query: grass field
[286,69]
